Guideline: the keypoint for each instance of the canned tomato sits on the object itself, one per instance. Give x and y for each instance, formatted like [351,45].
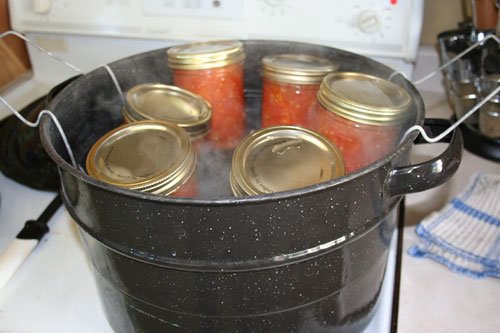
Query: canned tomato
[290,83]
[361,114]
[153,101]
[214,70]
[148,156]
[282,158]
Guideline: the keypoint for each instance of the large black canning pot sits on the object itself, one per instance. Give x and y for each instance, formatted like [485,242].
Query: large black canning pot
[311,259]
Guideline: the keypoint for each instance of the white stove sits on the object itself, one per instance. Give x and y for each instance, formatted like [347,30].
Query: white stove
[54,290]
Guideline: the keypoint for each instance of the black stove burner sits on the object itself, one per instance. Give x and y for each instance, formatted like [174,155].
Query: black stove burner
[22,157]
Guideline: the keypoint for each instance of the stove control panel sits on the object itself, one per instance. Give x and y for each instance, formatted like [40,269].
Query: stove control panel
[380,28]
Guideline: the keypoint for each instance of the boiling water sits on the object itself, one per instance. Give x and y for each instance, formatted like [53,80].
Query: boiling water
[214,165]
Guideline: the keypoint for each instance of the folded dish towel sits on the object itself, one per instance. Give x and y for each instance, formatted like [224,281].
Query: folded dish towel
[465,234]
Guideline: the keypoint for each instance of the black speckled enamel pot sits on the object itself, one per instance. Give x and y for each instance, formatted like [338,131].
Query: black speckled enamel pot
[307,260]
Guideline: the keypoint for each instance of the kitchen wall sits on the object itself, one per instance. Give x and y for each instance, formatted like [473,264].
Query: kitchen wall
[442,15]
[13,56]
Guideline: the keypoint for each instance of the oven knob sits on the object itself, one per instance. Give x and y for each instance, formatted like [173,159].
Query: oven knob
[41,6]
[369,22]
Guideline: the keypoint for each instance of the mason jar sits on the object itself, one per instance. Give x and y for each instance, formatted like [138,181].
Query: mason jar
[214,70]
[489,119]
[149,156]
[161,102]
[290,83]
[283,158]
[361,114]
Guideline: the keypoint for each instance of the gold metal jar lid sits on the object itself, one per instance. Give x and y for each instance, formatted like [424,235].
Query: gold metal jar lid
[364,98]
[282,158]
[205,55]
[296,68]
[154,101]
[150,156]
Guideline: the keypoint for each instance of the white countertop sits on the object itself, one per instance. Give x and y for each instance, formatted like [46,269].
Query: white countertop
[434,299]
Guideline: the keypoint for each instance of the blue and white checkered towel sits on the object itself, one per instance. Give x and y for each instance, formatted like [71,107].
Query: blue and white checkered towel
[465,234]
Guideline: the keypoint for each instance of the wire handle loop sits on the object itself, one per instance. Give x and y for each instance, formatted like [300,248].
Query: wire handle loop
[43,112]
[37,123]
[466,115]
[455,124]
[457,57]
[115,82]
[41,49]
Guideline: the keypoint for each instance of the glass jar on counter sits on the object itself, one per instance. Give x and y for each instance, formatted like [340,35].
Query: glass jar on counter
[214,70]
[154,101]
[289,87]
[489,119]
[282,158]
[362,114]
[149,156]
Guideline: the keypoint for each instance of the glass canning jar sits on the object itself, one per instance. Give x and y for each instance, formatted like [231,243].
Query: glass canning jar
[154,101]
[148,156]
[290,83]
[214,70]
[282,158]
[362,114]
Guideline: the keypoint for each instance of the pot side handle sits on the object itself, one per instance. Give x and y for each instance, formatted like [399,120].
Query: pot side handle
[429,174]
